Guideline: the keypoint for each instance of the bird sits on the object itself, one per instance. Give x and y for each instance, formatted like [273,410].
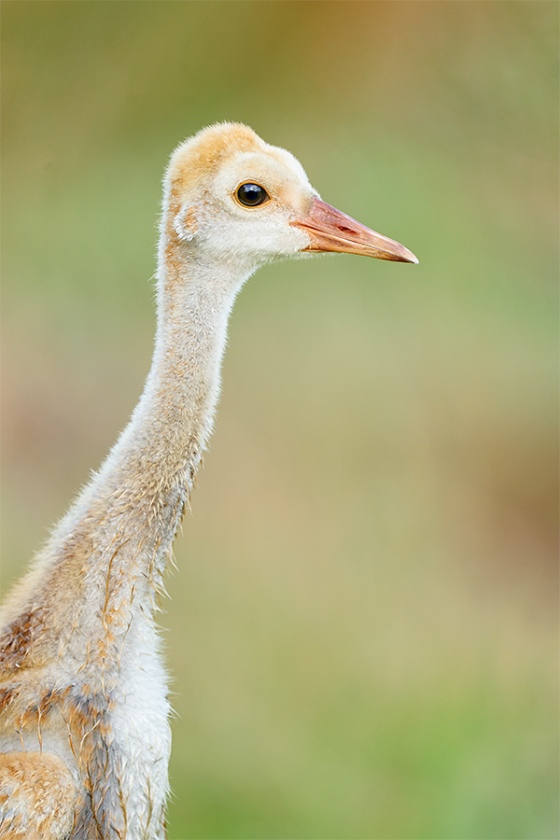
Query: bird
[84,710]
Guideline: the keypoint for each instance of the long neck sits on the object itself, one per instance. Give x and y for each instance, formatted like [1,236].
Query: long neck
[173,419]
[114,542]
[148,475]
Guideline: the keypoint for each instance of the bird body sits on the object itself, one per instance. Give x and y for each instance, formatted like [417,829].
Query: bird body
[84,732]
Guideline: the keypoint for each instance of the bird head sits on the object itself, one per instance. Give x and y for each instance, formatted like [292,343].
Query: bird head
[234,198]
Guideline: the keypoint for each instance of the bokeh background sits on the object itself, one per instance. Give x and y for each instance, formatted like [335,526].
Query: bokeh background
[362,629]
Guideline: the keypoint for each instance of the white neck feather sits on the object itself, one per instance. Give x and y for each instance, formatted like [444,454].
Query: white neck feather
[154,462]
[118,534]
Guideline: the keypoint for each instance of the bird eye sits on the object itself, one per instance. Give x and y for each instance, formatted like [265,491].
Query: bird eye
[251,195]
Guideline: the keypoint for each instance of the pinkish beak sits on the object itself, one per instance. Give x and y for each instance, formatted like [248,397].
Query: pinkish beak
[331,230]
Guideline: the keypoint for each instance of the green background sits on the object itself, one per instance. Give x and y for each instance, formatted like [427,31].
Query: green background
[362,626]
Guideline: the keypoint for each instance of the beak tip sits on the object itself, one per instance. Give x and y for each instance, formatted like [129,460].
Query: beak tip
[404,255]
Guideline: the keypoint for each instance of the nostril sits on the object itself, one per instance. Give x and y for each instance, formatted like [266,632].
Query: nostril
[345,229]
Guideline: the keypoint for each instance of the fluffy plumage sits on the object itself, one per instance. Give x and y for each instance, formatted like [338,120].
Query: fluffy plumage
[84,713]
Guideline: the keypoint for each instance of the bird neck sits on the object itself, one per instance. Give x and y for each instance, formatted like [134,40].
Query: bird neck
[174,417]
[147,477]
[113,544]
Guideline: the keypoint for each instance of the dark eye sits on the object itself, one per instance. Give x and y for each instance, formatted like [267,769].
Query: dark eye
[251,195]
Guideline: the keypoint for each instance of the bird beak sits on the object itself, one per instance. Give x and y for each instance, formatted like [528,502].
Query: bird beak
[330,230]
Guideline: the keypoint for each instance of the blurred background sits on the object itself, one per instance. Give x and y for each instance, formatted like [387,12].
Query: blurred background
[362,629]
